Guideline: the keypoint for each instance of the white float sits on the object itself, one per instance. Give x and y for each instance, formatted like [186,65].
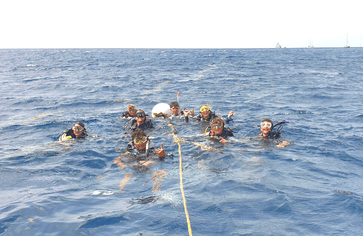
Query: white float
[161,108]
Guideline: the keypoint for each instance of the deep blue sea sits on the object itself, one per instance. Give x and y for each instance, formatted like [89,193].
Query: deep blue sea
[244,187]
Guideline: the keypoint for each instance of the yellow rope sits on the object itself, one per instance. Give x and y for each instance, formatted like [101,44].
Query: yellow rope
[182,191]
[178,141]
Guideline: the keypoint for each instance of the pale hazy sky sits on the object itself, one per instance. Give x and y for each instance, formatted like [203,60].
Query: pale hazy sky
[179,24]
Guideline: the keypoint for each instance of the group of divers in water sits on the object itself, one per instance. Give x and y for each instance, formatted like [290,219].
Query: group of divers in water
[139,155]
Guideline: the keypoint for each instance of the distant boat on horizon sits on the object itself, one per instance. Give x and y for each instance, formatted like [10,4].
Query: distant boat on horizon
[311,44]
[278,45]
[347,45]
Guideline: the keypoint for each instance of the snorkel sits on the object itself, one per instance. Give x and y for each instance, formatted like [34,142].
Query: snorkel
[148,147]
[280,124]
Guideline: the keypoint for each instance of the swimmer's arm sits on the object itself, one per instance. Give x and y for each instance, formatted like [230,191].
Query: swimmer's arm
[64,140]
[146,163]
[186,115]
[118,162]
[223,140]
[121,157]
[283,144]
[64,137]
[192,117]
[229,117]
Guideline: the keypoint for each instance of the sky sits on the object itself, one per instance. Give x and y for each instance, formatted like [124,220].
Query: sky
[179,24]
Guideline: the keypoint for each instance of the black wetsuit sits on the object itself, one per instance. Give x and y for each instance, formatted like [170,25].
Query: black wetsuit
[227,132]
[181,116]
[140,155]
[272,135]
[137,155]
[148,124]
[211,116]
[126,114]
[69,134]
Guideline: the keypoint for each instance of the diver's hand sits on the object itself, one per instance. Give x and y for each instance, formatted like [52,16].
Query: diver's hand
[230,114]
[161,151]
[223,140]
[283,144]
[192,112]
[146,163]
[186,113]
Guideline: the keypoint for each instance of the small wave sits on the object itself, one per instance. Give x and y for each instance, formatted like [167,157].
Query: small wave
[31,65]
[172,198]
[303,112]
[102,221]
[102,192]
[333,73]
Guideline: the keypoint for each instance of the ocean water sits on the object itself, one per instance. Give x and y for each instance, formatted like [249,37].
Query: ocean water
[244,187]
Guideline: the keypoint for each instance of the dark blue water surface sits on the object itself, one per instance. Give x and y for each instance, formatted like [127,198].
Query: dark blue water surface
[245,187]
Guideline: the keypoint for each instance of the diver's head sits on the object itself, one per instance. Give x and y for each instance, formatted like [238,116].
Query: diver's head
[139,139]
[204,111]
[174,108]
[216,125]
[78,129]
[131,109]
[266,127]
[140,117]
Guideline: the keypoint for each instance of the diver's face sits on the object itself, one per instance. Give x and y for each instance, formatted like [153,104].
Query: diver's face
[140,143]
[205,114]
[132,112]
[175,110]
[217,128]
[265,128]
[140,120]
[78,130]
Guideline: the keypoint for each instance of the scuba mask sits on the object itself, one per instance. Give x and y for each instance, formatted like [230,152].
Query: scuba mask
[266,124]
[204,108]
[131,108]
[216,126]
[78,128]
[140,115]
[143,139]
